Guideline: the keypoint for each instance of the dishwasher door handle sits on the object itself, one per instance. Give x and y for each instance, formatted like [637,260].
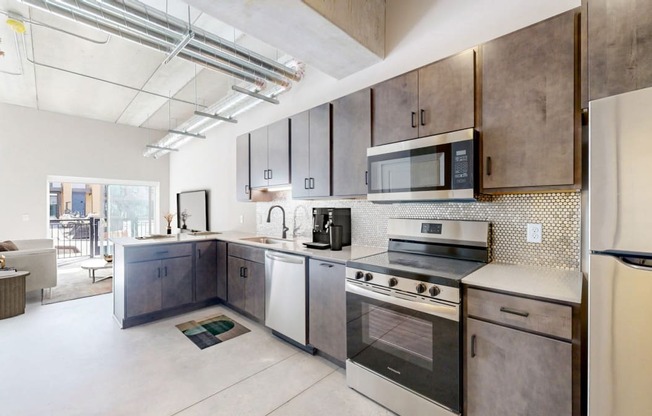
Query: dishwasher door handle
[284,259]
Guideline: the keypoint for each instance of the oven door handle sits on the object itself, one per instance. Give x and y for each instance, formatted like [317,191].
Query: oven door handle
[450,312]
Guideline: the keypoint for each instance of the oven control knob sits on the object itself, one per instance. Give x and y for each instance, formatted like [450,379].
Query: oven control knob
[393,281]
[359,275]
[368,277]
[434,291]
[421,288]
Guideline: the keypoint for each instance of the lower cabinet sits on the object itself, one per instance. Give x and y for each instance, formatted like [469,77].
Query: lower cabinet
[246,280]
[521,356]
[327,311]
[222,270]
[206,270]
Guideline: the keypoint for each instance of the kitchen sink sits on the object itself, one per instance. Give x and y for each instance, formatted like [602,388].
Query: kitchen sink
[265,240]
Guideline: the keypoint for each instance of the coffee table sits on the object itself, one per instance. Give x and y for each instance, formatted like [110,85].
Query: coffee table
[93,265]
[12,294]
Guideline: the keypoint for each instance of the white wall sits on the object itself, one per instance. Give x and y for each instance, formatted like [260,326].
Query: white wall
[37,144]
[418,32]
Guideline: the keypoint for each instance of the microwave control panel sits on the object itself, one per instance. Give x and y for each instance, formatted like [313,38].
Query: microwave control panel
[462,157]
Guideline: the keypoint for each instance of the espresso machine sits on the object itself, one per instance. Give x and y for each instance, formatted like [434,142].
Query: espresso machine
[323,219]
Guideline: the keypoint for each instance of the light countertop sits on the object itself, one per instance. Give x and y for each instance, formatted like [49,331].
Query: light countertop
[541,282]
[290,246]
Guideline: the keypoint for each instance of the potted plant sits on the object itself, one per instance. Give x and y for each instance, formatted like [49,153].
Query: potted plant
[169,217]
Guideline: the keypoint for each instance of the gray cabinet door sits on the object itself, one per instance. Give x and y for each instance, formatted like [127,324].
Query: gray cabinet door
[327,301]
[255,290]
[278,158]
[351,138]
[205,270]
[236,283]
[143,288]
[242,192]
[447,95]
[620,46]
[258,158]
[395,105]
[511,372]
[320,151]
[176,282]
[528,107]
[222,270]
[301,155]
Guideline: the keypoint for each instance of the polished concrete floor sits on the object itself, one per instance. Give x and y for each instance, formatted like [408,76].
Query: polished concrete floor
[71,358]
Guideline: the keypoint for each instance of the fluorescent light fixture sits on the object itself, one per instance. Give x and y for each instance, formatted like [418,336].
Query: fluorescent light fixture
[216,117]
[170,149]
[185,133]
[254,94]
[182,44]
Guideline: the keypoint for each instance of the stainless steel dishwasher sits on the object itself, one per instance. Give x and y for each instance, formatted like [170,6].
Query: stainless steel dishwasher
[285,295]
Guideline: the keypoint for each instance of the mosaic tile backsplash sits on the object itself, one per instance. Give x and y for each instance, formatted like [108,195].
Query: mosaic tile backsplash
[558,213]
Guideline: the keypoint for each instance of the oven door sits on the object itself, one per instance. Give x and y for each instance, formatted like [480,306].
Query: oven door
[435,167]
[414,344]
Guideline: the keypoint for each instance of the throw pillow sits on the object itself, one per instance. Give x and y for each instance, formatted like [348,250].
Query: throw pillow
[8,246]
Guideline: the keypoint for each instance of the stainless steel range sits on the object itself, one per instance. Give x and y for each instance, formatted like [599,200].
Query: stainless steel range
[403,315]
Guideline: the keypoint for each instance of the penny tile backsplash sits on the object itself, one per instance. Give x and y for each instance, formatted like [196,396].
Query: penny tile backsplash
[558,213]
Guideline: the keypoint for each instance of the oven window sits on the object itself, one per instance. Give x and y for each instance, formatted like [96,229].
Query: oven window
[403,336]
[411,170]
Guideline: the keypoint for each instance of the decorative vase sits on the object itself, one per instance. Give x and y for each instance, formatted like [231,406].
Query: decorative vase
[169,230]
[184,225]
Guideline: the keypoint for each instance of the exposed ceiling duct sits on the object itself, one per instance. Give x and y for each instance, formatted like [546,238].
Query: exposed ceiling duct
[147,26]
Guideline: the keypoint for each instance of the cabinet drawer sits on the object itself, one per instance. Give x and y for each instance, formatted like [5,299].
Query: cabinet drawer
[157,252]
[248,253]
[543,317]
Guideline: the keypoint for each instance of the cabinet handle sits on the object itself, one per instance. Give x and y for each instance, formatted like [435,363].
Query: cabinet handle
[514,311]
[414,120]
[326,265]
[423,117]
[488,165]
[199,253]
[244,274]
[270,174]
[241,273]
[246,189]
[312,183]
[366,177]
[265,174]
[159,272]
[473,354]
[162,252]
[166,271]
[305,183]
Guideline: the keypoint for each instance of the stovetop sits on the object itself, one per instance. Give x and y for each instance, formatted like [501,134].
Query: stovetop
[432,269]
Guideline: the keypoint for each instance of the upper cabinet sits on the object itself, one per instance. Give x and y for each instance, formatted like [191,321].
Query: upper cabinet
[270,155]
[619,47]
[435,99]
[243,188]
[530,109]
[311,153]
[351,138]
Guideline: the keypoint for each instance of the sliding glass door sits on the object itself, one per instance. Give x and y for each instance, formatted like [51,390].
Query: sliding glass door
[130,210]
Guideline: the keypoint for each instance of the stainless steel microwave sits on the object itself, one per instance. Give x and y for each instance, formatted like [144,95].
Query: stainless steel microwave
[434,168]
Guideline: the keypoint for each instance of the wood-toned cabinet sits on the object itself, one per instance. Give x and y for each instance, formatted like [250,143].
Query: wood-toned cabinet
[243,187]
[246,280]
[205,270]
[530,108]
[269,155]
[351,138]
[222,270]
[327,308]
[619,47]
[311,153]
[435,99]
[521,356]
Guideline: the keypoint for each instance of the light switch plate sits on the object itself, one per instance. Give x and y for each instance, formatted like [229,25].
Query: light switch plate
[534,233]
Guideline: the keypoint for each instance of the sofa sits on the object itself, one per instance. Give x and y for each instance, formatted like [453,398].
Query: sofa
[39,258]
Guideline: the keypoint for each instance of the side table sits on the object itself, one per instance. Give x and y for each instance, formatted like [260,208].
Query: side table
[12,294]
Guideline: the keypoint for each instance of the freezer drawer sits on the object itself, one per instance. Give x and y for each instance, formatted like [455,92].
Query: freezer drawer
[620,338]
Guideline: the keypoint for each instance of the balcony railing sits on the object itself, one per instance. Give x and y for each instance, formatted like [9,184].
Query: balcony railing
[75,237]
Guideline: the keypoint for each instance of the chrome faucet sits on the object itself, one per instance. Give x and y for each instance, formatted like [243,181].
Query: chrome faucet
[269,219]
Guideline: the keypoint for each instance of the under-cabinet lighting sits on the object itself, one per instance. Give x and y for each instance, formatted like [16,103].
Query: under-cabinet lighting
[216,117]
[182,44]
[254,94]
[186,133]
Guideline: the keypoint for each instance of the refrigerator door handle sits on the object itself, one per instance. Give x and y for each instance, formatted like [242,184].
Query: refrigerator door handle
[633,262]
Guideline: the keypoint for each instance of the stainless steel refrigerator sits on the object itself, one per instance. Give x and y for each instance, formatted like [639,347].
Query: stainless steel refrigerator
[620,261]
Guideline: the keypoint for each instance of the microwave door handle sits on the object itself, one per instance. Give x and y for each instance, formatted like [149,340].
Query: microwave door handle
[441,310]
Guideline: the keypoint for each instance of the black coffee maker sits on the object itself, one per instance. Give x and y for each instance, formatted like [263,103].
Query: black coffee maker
[324,218]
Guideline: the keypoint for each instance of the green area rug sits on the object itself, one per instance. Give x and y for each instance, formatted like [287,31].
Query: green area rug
[211,331]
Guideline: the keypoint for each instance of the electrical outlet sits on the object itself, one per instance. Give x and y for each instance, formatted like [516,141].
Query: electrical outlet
[534,233]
